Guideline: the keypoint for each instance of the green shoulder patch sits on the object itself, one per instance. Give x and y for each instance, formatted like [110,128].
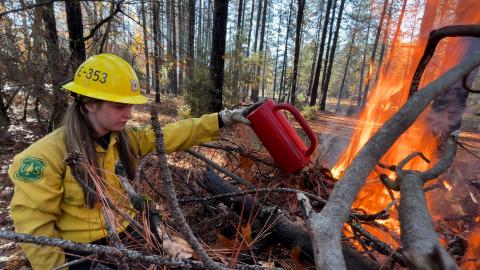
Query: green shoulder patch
[31,169]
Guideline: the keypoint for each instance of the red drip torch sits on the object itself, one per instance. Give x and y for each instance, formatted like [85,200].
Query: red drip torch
[280,138]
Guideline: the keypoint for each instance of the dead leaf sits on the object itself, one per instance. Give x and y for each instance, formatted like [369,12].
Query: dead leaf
[177,248]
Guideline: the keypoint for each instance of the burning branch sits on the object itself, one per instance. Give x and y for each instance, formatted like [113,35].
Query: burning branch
[326,226]
[435,37]
[172,197]
[417,233]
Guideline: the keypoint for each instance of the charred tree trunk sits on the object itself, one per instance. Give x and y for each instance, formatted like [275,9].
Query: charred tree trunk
[298,33]
[217,57]
[174,69]
[362,68]
[371,63]
[345,71]
[318,61]
[262,53]
[281,96]
[156,49]
[55,69]
[323,102]
[276,60]
[145,47]
[75,34]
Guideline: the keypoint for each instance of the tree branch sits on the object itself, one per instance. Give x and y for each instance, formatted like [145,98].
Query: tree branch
[417,233]
[326,226]
[172,202]
[435,37]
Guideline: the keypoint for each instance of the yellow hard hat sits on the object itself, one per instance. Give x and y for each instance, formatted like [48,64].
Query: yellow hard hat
[107,77]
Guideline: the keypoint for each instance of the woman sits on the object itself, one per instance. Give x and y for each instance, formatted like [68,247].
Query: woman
[51,201]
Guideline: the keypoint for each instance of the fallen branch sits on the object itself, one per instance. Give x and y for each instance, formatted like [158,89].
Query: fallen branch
[104,251]
[417,233]
[281,229]
[326,226]
[253,191]
[228,173]
[172,202]
[107,252]
[239,150]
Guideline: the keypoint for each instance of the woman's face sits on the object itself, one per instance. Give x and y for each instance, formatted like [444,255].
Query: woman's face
[108,116]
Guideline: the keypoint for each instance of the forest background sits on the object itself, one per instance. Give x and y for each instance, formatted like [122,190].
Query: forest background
[318,55]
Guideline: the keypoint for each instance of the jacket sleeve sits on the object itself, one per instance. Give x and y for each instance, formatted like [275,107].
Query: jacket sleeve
[35,205]
[177,136]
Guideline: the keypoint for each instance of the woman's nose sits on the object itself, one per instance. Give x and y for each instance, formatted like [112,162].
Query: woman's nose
[128,112]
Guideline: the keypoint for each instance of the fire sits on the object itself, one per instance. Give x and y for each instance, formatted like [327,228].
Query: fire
[390,92]
[447,185]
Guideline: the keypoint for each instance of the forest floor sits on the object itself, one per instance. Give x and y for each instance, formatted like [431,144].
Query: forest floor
[333,131]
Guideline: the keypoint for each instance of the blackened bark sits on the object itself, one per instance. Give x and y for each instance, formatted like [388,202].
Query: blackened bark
[331,58]
[55,69]
[75,34]
[156,49]
[281,95]
[318,61]
[174,68]
[145,47]
[298,34]
[191,38]
[371,63]
[217,57]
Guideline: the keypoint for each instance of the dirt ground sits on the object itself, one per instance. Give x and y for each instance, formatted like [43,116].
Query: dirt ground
[333,132]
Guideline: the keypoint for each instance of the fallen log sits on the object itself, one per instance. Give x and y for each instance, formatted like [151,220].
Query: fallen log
[283,230]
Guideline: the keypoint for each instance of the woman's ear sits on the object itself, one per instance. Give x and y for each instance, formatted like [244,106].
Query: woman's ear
[91,106]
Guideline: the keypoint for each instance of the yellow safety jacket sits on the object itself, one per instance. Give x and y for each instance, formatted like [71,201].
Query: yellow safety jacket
[48,201]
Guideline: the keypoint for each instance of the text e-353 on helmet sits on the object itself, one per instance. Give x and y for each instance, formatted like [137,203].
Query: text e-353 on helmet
[107,77]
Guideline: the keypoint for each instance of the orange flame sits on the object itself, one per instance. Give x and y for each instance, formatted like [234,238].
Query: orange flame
[390,92]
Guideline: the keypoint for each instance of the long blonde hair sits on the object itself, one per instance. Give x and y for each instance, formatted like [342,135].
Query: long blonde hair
[80,138]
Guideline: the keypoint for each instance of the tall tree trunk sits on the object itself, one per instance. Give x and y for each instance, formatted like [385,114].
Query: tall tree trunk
[349,56]
[257,25]
[315,50]
[38,70]
[200,30]
[396,35]
[386,34]
[174,68]
[362,68]
[318,61]
[332,56]
[328,48]
[261,50]
[217,57]
[276,58]
[371,63]
[298,33]
[75,34]
[281,96]
[180,44]
[250,28]
[237,74]
[145,47]
[256,71]
[191,39]
[55,69]
[156,50]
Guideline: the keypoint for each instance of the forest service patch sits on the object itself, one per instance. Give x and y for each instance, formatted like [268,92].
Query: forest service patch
[31,169]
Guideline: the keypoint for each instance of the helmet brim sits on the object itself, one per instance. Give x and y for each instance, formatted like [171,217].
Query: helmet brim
[138,99]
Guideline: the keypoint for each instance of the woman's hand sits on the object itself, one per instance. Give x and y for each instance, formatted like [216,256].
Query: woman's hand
[230,117]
